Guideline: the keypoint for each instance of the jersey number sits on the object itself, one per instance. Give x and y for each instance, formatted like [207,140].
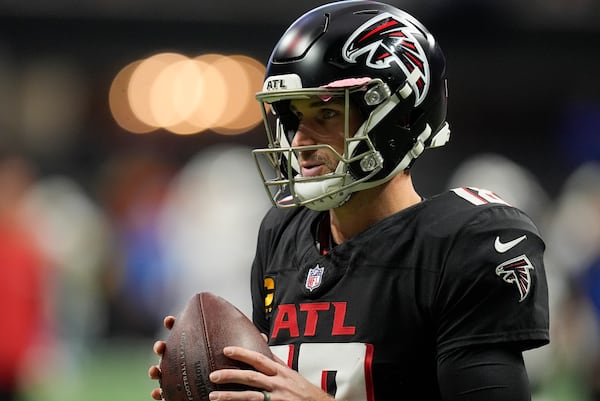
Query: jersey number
[478,196]
[341,369]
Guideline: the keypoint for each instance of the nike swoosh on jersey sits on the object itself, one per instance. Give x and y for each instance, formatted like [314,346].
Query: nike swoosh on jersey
[502,247]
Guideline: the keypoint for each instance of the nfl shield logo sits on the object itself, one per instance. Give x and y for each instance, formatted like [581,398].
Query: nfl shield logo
[313,280]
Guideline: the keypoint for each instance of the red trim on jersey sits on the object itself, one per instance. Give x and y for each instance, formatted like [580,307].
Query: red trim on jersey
[475,194]
[324,381]
[290,359]
[369,372]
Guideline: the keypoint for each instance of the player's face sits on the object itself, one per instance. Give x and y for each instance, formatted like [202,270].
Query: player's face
[321,123]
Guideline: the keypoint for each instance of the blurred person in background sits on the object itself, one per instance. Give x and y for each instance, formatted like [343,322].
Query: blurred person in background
[202,207]
[574,252]
[364,289]
[133,189]
[73,233]
[22,268]
[513,182]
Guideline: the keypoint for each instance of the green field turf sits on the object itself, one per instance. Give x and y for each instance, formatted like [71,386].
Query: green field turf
[118,371]
[115,372]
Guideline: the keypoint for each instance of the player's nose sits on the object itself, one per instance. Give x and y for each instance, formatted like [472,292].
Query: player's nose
[305,135]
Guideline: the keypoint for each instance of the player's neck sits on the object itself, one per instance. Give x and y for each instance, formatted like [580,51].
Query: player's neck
[370,206]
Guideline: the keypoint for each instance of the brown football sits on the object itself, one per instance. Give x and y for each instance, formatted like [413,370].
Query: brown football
[195,345]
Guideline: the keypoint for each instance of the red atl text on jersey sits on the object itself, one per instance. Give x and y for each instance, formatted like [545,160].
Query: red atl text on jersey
[288,315]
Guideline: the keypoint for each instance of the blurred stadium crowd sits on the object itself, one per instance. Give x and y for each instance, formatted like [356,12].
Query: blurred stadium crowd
[77,271]
[103,233]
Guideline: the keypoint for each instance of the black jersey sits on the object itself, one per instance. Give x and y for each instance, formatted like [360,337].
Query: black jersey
[370,319]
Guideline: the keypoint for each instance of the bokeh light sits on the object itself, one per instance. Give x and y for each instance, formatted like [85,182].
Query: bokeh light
[142,83]
[248,114]
[119,102]
[185,95]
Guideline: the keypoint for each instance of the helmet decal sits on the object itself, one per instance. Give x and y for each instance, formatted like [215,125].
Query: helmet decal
[282,82]
[385,39]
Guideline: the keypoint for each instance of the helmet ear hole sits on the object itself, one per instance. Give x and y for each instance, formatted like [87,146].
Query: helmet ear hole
[390,142]
[355,168]
[415,115]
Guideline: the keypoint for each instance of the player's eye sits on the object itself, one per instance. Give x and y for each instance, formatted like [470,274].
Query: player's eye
[327,114]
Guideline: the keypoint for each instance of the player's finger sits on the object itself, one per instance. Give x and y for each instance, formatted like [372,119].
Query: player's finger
[159,347]
[156,394]
[154,372]
[246,377]
[236,396]
[255,359]
[169,322]
[279,360]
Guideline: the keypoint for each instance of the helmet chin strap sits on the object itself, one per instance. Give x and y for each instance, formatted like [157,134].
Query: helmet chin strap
[315,190]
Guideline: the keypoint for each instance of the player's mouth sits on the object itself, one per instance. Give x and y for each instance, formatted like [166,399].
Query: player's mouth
[314,164]
[313,169]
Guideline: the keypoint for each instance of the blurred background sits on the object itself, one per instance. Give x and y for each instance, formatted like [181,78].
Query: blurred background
[116,206]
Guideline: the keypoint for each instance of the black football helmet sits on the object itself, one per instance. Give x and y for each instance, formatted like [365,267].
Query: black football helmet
[378,57]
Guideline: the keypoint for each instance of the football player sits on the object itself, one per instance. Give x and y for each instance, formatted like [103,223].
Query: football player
[364,289]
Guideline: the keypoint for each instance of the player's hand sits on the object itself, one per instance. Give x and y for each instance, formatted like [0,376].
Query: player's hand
[272,375]
[159,349]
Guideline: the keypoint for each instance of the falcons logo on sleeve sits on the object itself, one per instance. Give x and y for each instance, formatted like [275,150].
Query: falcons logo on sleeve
[384,40]
[516,271]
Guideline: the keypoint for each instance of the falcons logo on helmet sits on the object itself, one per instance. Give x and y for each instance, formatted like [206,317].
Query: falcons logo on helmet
[385,40]
[516,271]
